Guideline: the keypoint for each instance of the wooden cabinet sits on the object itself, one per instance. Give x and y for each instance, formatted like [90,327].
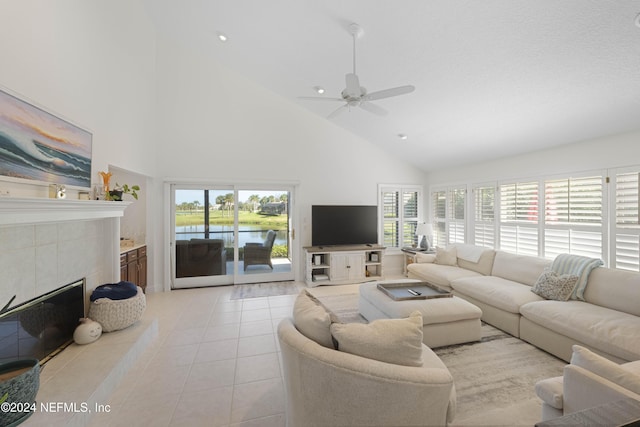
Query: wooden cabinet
[343,264]
[133,266]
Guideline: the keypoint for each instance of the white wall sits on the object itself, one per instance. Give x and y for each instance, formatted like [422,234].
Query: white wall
[601,153]
[91,62]
[216,126]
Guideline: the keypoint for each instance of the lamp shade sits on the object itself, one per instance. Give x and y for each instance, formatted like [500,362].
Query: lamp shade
[424,229]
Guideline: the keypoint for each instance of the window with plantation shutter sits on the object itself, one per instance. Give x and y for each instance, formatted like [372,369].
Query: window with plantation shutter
[573,212]
[484,227]
[448,216]
[519,218]
[400,208]
[626,229]
[439,217]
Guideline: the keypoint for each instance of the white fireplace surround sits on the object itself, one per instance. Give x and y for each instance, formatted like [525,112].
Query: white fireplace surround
[47,243]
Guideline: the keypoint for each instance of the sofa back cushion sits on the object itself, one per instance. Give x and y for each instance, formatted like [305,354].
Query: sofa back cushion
[615,289]
[312,320]
[518,268]
[484,265]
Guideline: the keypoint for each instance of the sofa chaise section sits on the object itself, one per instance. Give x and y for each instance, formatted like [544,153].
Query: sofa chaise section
[607,322]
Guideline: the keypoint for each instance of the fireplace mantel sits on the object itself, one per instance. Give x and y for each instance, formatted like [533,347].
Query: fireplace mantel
[22,211]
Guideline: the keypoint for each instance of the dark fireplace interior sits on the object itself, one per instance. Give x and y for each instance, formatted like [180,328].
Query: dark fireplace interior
[43,326]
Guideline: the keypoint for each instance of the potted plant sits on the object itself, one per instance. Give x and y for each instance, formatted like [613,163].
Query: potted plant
[120,190]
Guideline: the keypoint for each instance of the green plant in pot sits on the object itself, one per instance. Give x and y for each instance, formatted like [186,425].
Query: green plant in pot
[120,190]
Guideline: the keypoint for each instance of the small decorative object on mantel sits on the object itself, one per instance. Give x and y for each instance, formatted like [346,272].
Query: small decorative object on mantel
[106,176]
[87,331]
[120,190]
[57,191]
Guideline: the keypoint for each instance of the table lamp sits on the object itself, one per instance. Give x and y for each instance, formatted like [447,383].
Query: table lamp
[426,231]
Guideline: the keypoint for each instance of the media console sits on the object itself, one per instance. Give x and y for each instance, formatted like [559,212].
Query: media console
[342,264]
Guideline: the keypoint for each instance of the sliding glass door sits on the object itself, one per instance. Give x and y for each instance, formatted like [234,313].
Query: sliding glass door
[230,234]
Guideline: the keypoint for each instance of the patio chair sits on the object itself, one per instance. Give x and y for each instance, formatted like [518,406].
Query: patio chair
[259,253]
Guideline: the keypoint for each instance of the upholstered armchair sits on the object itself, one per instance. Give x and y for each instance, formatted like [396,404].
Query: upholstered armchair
[200,257]
[259,253]
[589,380]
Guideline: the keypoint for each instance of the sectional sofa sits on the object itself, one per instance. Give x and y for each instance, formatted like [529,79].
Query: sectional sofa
[607,321]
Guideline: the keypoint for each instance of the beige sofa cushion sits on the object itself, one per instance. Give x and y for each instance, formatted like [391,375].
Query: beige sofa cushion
[312,320]
[519,268]
[446,256]
[609,331]
[397,341]
[501,293]
[484,265]
[616,289]
[605,368]
[440,275]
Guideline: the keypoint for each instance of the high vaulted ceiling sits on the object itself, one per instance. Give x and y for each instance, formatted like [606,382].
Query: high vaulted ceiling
[493,78]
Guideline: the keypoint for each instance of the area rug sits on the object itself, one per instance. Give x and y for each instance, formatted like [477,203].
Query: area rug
[268,289]
[494,378]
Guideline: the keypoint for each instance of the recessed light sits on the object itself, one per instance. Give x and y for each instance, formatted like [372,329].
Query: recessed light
[222,36]
[319,89]
[402,136]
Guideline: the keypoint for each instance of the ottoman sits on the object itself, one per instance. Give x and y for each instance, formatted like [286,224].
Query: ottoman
[446,321]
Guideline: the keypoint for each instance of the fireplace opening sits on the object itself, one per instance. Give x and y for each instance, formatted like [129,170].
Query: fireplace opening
[43,326]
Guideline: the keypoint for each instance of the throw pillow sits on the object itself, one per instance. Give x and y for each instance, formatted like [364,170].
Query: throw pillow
[551,285]
[605,368]
[397,341]
[446,256]
[312,320]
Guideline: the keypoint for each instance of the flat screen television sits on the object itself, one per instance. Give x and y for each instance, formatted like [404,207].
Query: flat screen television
[343,225]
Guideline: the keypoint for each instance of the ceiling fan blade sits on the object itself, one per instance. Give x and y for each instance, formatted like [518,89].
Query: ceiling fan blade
[373,108]
[337,112]
[318,98]
[353,85]
[387,93]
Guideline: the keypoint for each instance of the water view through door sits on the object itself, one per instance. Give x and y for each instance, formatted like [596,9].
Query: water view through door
[227,234]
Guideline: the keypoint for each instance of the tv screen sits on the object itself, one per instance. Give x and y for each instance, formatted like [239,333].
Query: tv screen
[343,225]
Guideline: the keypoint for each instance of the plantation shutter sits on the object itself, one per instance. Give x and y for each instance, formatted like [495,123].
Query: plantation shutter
[400,212]
[439,215]
[627,225]
[457,205]
[573,217]
[391,218]
[484,218]
[519,218]
[410,217]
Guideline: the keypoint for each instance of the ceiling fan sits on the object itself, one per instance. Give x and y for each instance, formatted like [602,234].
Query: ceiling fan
[355,95]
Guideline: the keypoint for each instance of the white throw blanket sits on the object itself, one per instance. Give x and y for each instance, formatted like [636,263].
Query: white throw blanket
[581,266]
[469,253]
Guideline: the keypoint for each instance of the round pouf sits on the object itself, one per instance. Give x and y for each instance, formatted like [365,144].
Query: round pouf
[114,315]
[19,384]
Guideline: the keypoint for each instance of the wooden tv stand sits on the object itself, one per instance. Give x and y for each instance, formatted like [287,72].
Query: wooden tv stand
[343,264]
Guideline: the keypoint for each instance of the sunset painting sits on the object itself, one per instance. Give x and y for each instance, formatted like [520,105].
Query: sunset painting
[36,145]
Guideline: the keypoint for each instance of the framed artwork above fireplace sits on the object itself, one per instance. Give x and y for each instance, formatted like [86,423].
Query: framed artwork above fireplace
[36,145]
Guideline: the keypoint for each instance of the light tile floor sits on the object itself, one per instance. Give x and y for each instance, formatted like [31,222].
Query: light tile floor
[216,362]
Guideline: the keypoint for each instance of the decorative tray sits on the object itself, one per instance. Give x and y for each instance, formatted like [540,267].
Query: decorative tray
[402,291]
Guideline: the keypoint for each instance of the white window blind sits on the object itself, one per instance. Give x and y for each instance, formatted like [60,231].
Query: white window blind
[519,218]
[439,217]
[400,212]
[573,216]
[626,251]
[457,206]
[484,228]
